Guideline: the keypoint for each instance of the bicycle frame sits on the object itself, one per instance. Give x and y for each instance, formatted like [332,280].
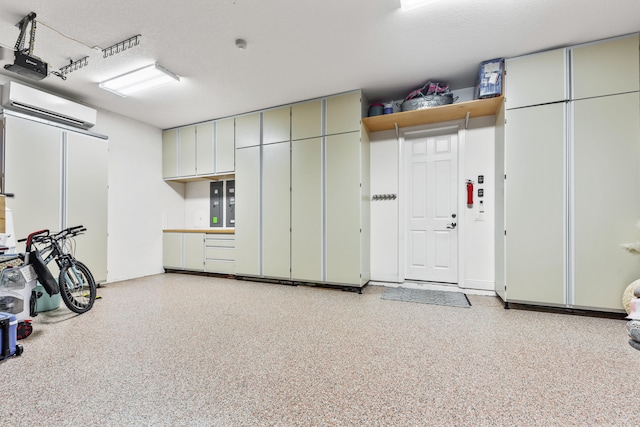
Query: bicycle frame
[75,282]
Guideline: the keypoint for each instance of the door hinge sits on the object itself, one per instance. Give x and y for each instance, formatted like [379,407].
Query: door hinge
[505,232]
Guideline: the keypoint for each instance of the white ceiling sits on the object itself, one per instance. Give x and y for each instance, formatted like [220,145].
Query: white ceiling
[297,49]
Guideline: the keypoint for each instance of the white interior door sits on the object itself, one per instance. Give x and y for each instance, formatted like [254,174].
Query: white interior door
[431,235]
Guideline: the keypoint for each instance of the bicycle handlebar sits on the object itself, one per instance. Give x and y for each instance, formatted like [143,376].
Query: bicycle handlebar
[44,236]
[36,235]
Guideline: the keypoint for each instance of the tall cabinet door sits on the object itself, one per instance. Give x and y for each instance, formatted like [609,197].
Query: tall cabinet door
[606,197]
[248,218]
[32,171]
[343,210]
[534,198]
[87,199]
[306,210]
[276,208]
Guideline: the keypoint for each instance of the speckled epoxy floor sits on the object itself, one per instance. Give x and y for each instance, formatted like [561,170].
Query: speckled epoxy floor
[185,350]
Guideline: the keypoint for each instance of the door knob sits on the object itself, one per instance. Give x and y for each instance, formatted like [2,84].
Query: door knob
[452,226]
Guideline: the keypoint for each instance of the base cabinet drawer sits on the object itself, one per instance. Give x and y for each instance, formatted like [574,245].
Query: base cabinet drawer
[220,266]
[220,254]
[225,254]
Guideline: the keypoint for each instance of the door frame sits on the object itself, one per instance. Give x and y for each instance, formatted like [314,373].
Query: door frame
[457,128]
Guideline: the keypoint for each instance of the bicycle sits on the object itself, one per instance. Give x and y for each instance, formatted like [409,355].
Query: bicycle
[75,283]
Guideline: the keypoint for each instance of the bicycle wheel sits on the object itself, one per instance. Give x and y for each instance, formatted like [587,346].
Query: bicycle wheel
[77,287]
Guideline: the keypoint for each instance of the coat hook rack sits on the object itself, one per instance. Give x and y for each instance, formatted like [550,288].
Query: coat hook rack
[121,46]
[378,197]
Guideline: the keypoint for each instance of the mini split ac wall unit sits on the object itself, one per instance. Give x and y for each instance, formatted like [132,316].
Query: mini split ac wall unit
[24,99]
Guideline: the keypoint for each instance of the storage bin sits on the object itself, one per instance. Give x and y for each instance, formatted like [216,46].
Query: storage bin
[16,284]
[490,79]
[46,302]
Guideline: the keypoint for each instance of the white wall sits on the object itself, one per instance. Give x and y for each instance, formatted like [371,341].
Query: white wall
[141,204]
[196,204]
[476,237]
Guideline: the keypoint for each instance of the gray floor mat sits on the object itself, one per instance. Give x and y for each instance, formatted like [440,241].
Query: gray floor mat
[425,296]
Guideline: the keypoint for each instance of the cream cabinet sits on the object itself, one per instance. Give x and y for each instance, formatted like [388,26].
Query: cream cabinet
[248,130]
[205,146]
[276,125]
[605,68]
[535,204]
[187,151]
[220,253]
[343,113]
[170,153]
[183,251]
[200,150]
[539,78]
[572,190]
[195,251]
[248,216]
[330,209]
[225,146]
[306,120]
[606,198]
[276,209]
[307,211]
[302,209]
[347,213]
[172,250]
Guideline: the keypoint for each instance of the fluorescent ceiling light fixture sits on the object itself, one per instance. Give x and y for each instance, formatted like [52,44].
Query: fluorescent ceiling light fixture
[414,4]
[135,81]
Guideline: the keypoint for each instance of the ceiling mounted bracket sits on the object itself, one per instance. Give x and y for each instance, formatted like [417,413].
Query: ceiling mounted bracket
[23,24]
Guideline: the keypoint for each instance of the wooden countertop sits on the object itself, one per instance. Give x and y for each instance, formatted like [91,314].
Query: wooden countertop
[202,230]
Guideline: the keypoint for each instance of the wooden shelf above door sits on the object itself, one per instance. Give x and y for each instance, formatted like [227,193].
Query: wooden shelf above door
[445,113]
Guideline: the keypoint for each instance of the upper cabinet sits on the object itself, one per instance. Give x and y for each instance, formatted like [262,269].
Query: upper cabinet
[225,146]
[209,149]
[204,148]
[539,78]
[605,68]
[201,150]
[306,120]
[276,125]
[248,130]
[187,151]
[344,113]
[170,153]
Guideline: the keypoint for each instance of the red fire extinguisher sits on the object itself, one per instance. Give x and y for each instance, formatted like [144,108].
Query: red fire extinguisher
[469,193]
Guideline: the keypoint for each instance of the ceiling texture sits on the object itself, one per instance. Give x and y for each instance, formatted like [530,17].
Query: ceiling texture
[296,49]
